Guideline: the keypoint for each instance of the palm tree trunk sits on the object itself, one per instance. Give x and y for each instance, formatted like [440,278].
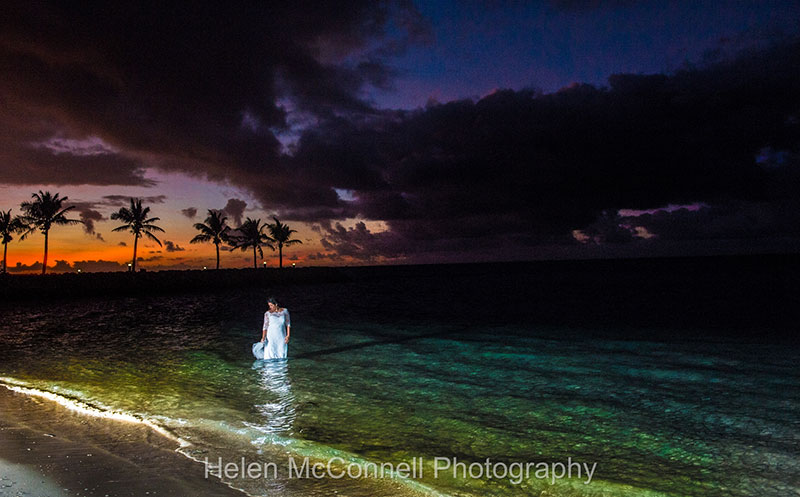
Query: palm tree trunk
[135,243]
[255,266]
[44,265]
[217,244]
[280,254]
[5,257]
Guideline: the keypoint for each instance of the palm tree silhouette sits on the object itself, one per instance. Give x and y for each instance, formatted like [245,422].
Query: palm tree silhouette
[137,222]
[44,212]
[251,234]
[214,230]
[281,234]
[8,226]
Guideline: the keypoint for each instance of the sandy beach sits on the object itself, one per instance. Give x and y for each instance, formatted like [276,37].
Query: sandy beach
[49,450]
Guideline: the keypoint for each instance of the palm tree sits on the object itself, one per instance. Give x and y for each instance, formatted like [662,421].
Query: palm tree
[43,213]
[281,234]
[137,222]
[8,226]
[251,234]
[214,230]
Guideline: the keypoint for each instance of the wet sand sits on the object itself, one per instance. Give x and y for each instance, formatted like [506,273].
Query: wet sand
[49,450]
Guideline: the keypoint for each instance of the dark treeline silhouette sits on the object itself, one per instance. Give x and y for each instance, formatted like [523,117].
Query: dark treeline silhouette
[46,210]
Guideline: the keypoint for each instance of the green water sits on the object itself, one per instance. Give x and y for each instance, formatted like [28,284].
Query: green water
[378,384]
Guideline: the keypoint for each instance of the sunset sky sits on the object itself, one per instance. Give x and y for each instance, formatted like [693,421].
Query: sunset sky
[407,132]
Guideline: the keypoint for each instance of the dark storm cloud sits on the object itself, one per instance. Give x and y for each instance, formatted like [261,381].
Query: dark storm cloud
[235,209]
[358,242]
[192,88]
[731,220]
[528,169]
[775,215]
[125,200]
[28,165]
[87,213]
[203,90]
[610,228]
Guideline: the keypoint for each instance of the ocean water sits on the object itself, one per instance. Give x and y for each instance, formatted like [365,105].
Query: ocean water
[410,371]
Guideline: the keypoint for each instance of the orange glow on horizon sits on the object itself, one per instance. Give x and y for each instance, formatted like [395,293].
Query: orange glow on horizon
[114,250]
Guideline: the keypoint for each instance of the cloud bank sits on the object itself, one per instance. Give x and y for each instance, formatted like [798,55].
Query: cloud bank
[274,100]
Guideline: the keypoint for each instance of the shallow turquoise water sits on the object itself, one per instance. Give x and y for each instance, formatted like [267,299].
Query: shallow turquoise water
[384,380]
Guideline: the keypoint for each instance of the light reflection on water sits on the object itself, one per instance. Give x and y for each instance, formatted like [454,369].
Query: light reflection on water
[278,412]
[660,418]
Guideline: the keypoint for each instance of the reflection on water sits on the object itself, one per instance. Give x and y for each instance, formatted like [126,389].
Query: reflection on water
[279,411]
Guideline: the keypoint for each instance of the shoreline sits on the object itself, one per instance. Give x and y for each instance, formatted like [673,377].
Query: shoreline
[47,448]
[55,446]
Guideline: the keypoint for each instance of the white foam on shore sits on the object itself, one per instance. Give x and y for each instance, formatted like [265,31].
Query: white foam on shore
[88,410]
[303,448]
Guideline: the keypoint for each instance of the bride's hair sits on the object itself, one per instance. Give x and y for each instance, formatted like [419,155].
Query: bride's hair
[271,300]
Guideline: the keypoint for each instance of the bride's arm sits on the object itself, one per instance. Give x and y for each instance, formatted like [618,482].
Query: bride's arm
[288,326]
[264,328]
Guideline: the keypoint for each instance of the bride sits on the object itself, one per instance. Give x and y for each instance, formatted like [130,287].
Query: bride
[276,330]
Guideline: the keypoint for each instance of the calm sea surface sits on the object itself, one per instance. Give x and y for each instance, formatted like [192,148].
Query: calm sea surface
[425,368]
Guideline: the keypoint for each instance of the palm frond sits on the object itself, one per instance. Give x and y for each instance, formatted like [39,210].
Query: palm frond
[27,233]
[201,238]
[153,237]
[282,233]
[10,225]
[203,228]
[44,211]
[214,229]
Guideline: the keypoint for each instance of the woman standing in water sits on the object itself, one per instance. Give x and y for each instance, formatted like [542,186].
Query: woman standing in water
[276,330]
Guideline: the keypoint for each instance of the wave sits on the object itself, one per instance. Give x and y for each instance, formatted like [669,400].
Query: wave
[252,434]
[88,409]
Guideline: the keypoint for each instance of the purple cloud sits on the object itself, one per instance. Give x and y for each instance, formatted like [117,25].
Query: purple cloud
[189,212]
[235,209]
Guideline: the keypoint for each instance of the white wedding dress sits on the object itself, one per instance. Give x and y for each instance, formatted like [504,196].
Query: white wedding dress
[275,323]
